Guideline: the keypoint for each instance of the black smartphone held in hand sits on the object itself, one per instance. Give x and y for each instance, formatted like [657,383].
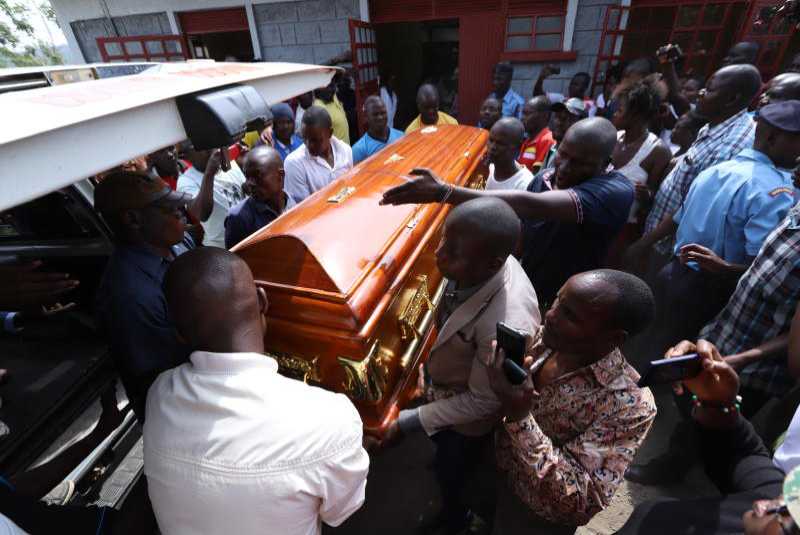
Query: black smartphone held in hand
[513,344]
[672,370]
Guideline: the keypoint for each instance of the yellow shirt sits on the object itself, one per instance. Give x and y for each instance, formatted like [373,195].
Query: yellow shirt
[416,124]
[338,117]
[251,138]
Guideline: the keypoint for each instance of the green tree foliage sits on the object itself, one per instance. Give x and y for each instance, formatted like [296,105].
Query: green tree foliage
[15,27]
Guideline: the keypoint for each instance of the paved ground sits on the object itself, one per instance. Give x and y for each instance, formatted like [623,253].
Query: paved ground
[401,486]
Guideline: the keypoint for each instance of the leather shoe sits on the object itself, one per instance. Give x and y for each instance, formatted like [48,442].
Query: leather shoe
[659,471]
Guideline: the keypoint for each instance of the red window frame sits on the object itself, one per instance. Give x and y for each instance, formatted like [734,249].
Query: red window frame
[145,55]
[613,30]
[533,33]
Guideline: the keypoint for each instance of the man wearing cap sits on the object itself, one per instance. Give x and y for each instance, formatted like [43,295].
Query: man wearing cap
[511,100]
[149,225]
[726,216]
[378,134]
[284,139]
[565,114]
[577,88]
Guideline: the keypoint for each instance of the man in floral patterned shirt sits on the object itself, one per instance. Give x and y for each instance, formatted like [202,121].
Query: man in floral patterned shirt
[575,424]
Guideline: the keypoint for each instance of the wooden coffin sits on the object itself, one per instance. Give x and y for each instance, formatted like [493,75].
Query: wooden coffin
[351,284]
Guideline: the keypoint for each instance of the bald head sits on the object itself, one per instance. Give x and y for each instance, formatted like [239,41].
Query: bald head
[511,129]
[490,221]
[742,53]
[260,158]
[213,301]
[595,134]
[785,86]
[540,104]
[728,91]
[428,104]
[372,100]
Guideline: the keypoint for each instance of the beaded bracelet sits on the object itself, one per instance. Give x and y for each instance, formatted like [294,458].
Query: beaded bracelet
[736,406]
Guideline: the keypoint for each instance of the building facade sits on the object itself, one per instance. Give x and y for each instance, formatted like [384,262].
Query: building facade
[453,43]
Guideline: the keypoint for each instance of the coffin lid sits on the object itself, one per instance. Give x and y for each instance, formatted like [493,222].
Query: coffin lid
[331,246]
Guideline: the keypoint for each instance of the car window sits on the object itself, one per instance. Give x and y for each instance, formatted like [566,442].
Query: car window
[56,216]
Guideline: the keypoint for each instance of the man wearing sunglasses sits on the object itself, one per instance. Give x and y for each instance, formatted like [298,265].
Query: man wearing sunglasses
[148,220]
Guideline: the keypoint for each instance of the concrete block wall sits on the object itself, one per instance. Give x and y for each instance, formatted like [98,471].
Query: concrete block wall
[586,42]
[87,31]
[306,31]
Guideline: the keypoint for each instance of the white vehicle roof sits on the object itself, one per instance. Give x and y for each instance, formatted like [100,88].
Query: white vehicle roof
[54,136]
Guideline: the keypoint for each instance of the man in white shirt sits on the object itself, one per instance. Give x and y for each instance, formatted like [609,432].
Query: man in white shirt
[322,159]
[505,140]
[230,446]
[227,192]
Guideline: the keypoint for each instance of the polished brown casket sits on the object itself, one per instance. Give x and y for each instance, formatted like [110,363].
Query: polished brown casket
[351,284]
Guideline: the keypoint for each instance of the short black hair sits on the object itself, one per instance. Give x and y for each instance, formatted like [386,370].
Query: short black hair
[504,68]
[370,100]
[317,116]
[634,305]
[492,221]
[585,75]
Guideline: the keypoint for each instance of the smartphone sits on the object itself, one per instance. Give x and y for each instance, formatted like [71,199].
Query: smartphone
[672,370]
[513,343]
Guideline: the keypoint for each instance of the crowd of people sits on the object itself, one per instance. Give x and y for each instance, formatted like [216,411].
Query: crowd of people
[659,218]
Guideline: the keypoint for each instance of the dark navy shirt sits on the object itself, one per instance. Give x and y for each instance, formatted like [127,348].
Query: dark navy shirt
[553,251]
[132,310]
[248,216]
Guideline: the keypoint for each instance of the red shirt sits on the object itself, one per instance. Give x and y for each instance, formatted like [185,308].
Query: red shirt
[534,150]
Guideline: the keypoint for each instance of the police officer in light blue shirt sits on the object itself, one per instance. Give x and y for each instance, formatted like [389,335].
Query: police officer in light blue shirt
[379,133]
[728,213]
[511,100]
[733,206]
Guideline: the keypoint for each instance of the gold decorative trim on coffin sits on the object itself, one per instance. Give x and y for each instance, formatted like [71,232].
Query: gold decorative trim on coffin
[414,309]
[341,195]
[298,368]
[478,181]
[366,379]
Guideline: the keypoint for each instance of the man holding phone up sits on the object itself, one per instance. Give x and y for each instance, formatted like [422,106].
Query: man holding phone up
[574,425]
[486,285]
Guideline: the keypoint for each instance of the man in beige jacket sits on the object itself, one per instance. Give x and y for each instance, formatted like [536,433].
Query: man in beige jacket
[486,285]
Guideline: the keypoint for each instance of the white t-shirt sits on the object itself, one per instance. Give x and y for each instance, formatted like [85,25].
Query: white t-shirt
[7,527]
[227,193]
[231,447]
[787,456]
[306,174]
[518,180]
[390,100]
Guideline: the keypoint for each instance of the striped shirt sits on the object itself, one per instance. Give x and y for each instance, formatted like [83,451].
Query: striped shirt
[714,144]
[762,306]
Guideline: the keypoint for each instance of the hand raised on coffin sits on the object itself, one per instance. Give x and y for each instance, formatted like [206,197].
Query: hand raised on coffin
[427,188]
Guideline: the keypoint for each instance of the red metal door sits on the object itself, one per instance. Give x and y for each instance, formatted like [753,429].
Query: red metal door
[480,41]
[143,48]
[365,65]
[773,38]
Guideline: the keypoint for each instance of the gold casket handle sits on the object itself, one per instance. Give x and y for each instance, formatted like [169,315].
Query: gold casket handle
[417,307]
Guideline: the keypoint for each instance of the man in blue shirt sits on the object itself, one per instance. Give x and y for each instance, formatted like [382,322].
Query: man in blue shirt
[149,223]
[511,100]
[727,214]
[379,133]
[263,169]
[570,213]
[284,139]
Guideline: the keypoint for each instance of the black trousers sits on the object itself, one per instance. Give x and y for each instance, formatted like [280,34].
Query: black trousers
[456,459]
[686,300]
